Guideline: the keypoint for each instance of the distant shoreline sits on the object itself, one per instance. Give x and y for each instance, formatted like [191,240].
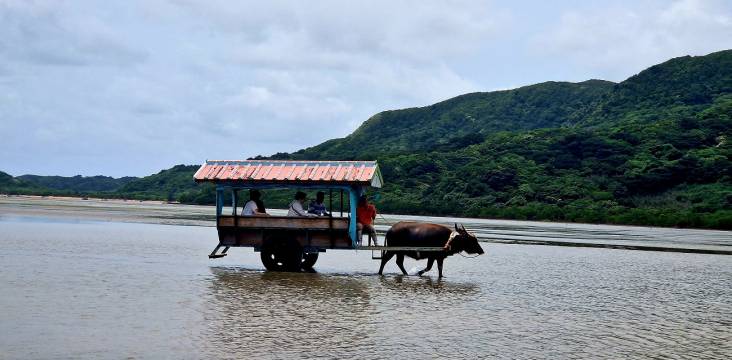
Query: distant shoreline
[85,198]
[435,218]
[511,232]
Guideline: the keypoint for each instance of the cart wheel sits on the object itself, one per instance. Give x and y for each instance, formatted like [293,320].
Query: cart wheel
[308,260]
[282,255]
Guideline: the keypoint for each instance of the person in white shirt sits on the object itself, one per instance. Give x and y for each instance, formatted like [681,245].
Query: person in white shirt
[255,206]
[297,206]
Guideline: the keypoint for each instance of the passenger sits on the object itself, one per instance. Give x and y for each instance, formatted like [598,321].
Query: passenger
[255,205]
[297,206]
[365,215]
[317,206]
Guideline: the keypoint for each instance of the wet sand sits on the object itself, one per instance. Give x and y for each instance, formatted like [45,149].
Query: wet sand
[495,231]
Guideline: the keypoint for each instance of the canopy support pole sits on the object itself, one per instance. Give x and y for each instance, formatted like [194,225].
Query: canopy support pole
[219,202]
[352,224]
[234,200]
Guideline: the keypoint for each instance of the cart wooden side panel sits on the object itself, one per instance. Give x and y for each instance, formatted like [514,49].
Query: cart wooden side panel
[239,231]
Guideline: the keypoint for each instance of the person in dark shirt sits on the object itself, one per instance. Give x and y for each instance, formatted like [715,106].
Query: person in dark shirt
[317,206]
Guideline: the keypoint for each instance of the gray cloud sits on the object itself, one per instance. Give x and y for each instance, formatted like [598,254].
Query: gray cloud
[129,88]
[601,39]
[47,35]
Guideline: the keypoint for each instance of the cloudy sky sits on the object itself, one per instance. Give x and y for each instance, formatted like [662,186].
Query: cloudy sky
[132,87]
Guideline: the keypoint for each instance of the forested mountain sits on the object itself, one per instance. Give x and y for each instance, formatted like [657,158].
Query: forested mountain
[9,184]
[60,185]
[78,183]
[171,184]
[668,89]
[174,184]
[654,150]
[464,120]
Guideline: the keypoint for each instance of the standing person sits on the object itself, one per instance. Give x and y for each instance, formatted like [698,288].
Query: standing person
[365,215]
[317,206]
[255,205]
[297,206]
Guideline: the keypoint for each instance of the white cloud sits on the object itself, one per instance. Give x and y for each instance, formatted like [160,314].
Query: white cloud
[129,88]
[285,32]
[612,40]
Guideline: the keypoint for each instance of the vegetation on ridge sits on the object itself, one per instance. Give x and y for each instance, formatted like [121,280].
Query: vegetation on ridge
[652,150]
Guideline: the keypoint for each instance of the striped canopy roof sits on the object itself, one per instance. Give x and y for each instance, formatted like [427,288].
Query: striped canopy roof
[290,171]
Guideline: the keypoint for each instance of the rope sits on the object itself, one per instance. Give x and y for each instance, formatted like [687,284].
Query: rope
[469,257]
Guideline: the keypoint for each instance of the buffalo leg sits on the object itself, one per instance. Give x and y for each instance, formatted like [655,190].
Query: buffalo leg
[429,266]
[400,263]
[439,266]
[385,259]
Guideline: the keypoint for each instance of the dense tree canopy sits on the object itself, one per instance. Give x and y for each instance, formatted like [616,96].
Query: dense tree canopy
[654,149]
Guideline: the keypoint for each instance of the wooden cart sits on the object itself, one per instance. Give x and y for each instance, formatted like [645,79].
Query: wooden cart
[288,243]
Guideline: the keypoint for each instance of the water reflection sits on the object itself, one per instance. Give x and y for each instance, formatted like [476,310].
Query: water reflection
[426,285]
[265,314]
[255,282]
[152,294]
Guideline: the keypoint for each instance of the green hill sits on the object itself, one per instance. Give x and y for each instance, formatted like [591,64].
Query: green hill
[174,184]
[464,120]
[61,185]
[11,185]
[78,184]
[678,87]
[651,150]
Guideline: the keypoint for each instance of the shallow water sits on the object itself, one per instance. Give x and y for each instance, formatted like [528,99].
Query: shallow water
[74,288]
[487,230]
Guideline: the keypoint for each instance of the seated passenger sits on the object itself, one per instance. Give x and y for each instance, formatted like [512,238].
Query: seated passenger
[317,206]
[297,205]
[365,215]
[255,205]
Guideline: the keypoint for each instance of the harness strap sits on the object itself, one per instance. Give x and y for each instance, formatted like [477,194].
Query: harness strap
[448,244]
[292,207]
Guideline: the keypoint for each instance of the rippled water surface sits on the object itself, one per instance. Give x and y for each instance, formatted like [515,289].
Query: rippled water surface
[75,288]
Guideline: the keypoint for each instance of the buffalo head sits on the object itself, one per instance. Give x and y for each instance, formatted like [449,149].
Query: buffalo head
[465,241]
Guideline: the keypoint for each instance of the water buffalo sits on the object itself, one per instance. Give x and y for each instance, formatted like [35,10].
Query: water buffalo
[428,235]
